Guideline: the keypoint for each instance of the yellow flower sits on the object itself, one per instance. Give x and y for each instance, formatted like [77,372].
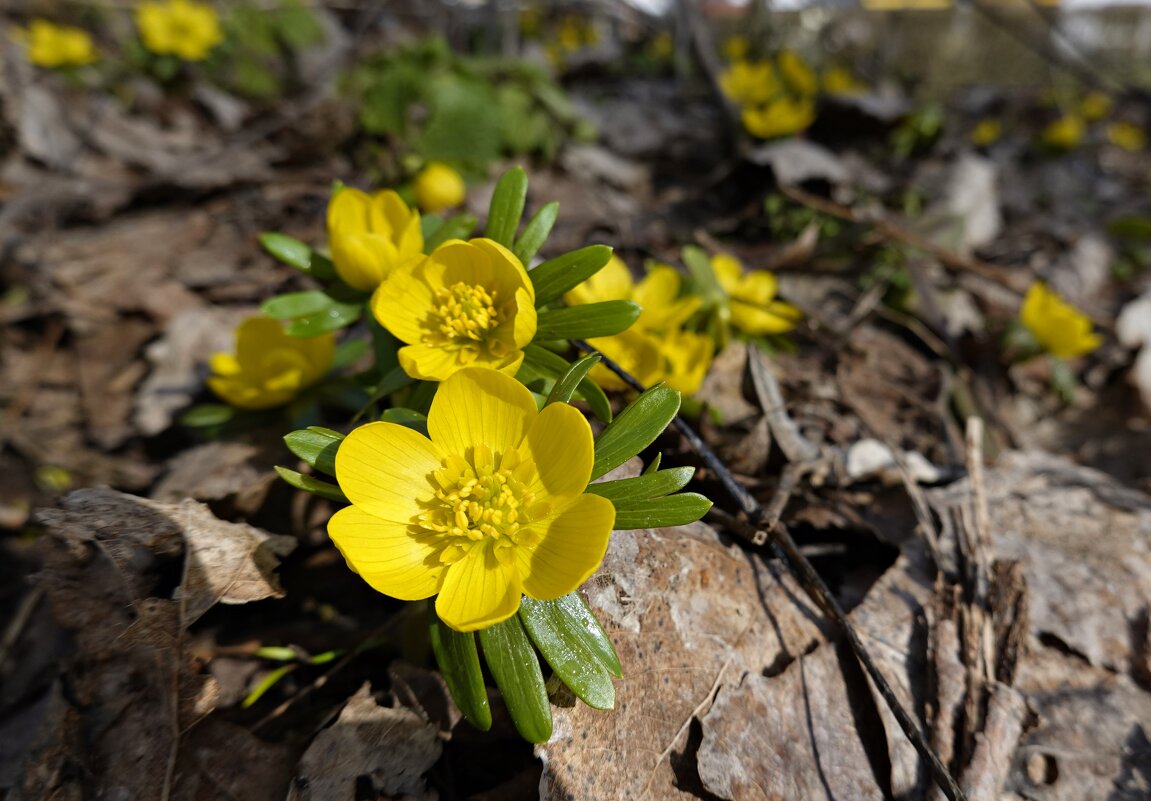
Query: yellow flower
[1066,133]
[735,48]
[987,132]
[655,348]
[799,77]
[751,298]
[181,28]
[1126,135]
[1095,106]
[269,367]
[840,81]
[439,187]
[749,82]
[1058,327]
[661,46]
[55,46]
[468,304]
[490,507]
[369,235]
[782,117]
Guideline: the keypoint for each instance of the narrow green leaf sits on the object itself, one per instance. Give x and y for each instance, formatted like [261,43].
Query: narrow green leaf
[207,414]
[324,489]
[407,418]
[288,250]
[672,510]
[583,622]
[649,485]
[348,352]
[556,276]
[296,304]
[507,207]
[516,669]
[393,380]
[459,227]
[336,316]
[536,233]
[635,428]
[653,466]
[317,446]
[562,647]
[698,264]
[589,320]
[567,384]
[459,663]
[323,269]
[543,364]
[265,684]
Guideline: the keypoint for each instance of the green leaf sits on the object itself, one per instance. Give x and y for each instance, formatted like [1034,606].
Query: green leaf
[507,207]
[317,446]
[536,233]
[582,622]
[541,363]
[392,381]
[558,639]
[348,352]
[288,250]
[589,320]
[296,304]
[265,684]
[649,485]
[672,510]
[516,669]
[698,264]
[459,663]
[556,276]
[337,315]
[407,418]
[207,414]
[324,489]
[567,384]
[635,428]
[460,226]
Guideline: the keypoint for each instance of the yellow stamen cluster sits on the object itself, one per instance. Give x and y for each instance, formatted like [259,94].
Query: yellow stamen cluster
[479,501]
[463,315]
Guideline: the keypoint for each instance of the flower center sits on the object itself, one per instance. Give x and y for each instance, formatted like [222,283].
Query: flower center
[463,313]
[481,501]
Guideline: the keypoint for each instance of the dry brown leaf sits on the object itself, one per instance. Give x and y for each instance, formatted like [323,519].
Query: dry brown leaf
[688,614]
[393,747]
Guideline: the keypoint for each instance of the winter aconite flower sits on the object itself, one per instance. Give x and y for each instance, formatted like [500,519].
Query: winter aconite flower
[749,82]
[369,235]
[1127,135]
[1065,133]
[751,298]
[1095,106]
[656,347]
[987,132]
[182,28]
[57,46]
[1058,327]
[468,304]
[840,81]
[439,187]
[269,367]
[490,506]
[783,116]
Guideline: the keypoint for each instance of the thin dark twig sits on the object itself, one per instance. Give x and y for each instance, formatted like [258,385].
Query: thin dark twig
[751,527]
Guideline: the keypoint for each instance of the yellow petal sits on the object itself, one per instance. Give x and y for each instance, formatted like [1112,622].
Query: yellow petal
[479,590]
[386,555]
[349,210]
[403,301]
[776,318]
[385,470]
[560,445]
[571,549]
[758,287]
[728,270]
[612,282]
[508,272]
[477,406]
[526,320]
[431,363]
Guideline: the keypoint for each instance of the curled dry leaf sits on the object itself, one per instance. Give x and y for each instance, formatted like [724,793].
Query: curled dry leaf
[392,747]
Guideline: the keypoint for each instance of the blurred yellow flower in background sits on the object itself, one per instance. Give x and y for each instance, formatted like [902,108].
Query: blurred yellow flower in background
[751,298]
[56,46]
[269,367]
[840,81]
[181,28]
[369,235]
[1127,135]
[797,74]
[781,117]
[1058,327]
[656,347]
[1065,133]
[736,48]
[468,304]
[749,82]
[986,132]
[1095,106]
[490,506]
[439,187]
